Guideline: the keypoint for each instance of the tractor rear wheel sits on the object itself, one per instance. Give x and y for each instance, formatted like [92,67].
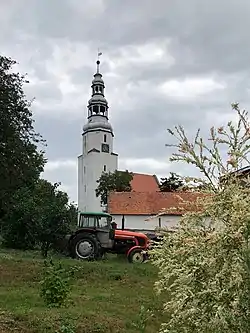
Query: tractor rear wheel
[85,247]
[136,256]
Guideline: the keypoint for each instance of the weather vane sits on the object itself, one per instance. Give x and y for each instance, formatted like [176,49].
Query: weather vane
[99,54]
[98,59]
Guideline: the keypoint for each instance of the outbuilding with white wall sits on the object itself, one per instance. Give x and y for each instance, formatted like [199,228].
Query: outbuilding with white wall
[138,210]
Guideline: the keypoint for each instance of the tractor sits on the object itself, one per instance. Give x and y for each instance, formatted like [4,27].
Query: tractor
[97,234]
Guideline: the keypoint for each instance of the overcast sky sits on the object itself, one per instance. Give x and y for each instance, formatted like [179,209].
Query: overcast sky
[164,62]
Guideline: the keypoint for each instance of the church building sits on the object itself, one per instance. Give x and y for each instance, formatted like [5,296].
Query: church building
[97,152]
[129,209]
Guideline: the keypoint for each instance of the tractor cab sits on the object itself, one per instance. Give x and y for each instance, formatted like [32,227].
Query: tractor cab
[99,224]
[94,220]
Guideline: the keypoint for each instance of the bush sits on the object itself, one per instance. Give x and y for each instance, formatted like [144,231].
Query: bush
[56,283]
[205,265]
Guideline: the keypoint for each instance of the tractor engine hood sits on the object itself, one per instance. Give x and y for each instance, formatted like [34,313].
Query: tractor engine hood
[129,233]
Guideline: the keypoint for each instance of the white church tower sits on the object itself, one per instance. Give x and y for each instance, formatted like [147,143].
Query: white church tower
[97,148]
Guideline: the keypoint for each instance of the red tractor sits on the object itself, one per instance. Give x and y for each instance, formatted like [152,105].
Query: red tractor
[97,235]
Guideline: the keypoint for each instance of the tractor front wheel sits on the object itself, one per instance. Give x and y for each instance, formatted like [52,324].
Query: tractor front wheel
[85,247]
[136,256]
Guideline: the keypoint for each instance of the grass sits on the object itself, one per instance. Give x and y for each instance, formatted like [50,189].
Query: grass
[106,297]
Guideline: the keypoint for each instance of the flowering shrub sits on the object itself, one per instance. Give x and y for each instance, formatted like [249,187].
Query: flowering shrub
[205,265]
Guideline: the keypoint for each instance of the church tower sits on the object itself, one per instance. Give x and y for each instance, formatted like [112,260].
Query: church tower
[97,147]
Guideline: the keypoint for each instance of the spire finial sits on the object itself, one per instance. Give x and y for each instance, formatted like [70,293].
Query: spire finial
[98,60]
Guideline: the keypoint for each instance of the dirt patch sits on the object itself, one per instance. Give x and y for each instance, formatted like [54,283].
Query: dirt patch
[16,272]
[9,325]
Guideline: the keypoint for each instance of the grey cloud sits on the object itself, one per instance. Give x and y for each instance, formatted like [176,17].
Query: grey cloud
[44,91]
[205,38]
[63,136]
[83,74]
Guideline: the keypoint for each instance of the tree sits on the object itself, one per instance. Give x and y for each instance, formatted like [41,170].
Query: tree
[118,181]
[172,184]
[39,217]
[21,163]
[32,210]
[57,216]
[204,267]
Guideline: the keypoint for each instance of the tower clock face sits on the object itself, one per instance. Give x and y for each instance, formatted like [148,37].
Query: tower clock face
[105,148]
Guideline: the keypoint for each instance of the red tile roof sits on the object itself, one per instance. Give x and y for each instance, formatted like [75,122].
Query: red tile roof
[144,183]
[147,203]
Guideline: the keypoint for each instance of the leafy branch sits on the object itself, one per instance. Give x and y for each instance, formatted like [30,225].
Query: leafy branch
[234,140]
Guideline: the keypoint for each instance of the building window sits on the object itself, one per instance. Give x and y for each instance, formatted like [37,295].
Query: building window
[104,168]
[84,169]
[85,188]
[105,138]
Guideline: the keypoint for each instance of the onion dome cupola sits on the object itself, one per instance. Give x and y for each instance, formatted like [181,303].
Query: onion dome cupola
[98,105]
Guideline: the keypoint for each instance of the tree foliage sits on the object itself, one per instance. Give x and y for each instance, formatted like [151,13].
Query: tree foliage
[172,183]
[204,267]
[32,210]
[21,163]
[39,217]
[118,181]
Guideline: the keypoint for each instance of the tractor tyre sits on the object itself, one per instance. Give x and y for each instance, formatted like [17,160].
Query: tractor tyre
[136,256]
[85,247]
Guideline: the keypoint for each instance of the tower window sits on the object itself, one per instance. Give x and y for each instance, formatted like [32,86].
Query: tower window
[104,168]
[105,138]
[96,109]
[85,188]
[102,109]
[84,169]
[96,89]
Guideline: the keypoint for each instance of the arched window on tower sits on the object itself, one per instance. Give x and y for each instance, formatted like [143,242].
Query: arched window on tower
[102,110]
[96,89]
[96,109]
[105,138]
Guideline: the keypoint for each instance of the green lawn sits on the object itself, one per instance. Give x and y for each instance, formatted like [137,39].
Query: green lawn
[106,296]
